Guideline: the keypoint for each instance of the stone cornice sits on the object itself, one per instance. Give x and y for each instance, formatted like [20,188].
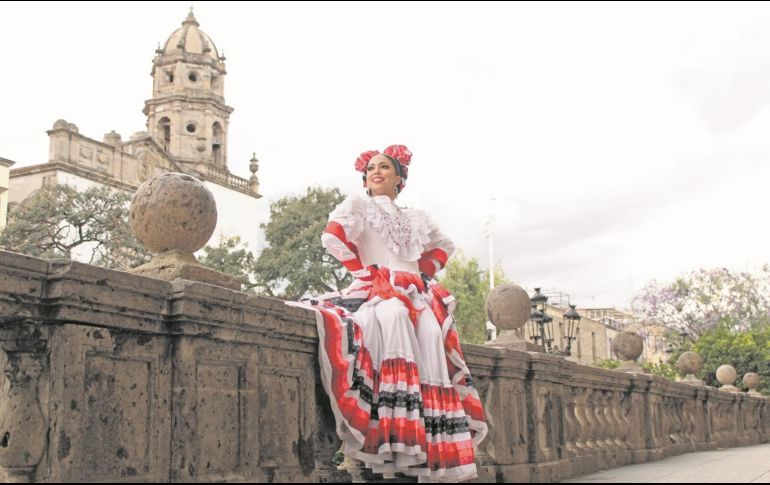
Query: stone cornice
[65,291]
[75,170]
[5,162]
[208,100]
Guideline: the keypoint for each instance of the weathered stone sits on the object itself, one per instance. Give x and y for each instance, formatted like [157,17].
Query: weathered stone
[173,212]
[117,377]
[689,364]
[508,306]
[751,380]
[174,215]
[628,347]
[727,375]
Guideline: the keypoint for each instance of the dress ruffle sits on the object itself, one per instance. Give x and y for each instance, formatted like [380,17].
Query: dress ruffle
[419,223]
[386,416]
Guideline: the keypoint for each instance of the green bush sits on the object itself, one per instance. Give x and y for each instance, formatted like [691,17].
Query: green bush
[746,351]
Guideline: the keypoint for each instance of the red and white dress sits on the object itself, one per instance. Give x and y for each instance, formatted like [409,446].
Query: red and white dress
[390,355]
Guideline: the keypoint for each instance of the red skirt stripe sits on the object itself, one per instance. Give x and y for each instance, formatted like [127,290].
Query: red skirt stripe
[394,371]
[353,409]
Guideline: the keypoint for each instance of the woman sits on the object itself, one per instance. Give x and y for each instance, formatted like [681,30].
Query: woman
[390,356]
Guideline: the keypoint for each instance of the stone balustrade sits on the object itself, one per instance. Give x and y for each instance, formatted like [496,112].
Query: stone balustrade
[111,376]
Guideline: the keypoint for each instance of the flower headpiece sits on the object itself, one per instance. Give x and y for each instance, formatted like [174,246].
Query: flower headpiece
[398,154]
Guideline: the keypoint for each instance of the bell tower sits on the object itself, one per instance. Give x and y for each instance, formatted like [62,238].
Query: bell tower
[187,114]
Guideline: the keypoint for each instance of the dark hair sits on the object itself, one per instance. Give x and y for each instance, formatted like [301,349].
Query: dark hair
[399,172]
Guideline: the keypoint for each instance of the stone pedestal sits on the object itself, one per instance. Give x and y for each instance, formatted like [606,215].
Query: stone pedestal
[174,215]
[727,375]
[628,347]
[689,364]
[172,265]
[508,309]
[509,340]
[751,380]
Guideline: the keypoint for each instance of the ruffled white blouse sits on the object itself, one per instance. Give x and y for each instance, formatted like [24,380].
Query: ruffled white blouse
[367,225]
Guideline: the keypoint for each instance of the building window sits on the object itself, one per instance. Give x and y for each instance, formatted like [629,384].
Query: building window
[164,130]
[216,144]
[169,76]
[192,76]
[191,128]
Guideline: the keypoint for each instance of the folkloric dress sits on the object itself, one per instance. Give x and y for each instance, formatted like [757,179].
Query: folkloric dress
[390,355]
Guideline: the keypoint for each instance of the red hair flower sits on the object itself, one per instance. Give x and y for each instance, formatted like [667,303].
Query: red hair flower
[400,153]
[363,160]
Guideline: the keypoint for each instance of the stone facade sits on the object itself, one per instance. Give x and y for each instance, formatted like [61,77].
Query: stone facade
[593,340]
[5,166]
[187,130]
[111,376]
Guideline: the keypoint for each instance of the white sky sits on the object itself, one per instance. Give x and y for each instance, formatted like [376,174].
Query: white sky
[622,142]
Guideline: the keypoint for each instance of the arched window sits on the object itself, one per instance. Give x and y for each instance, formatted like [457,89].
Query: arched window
[164,132]
[216,143]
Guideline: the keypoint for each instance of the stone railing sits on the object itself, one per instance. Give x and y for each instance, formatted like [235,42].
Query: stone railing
[111,376]
[227,178]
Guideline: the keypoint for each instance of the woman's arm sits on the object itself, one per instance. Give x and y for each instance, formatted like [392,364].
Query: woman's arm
[437,252]
[346,222]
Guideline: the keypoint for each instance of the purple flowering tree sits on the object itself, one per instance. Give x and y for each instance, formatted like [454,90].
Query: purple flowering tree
[697,301]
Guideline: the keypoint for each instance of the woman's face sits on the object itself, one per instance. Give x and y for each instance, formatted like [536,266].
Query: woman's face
[381,178]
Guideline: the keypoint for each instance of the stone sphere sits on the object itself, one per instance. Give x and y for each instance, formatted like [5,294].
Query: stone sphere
[689,363]
[751,380]
[726,375]
[173,212]
[508,307]
[628,346]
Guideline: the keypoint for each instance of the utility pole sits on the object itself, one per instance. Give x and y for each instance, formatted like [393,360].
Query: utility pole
[488,230]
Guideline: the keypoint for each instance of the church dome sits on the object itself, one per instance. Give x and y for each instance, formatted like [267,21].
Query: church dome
[191,40]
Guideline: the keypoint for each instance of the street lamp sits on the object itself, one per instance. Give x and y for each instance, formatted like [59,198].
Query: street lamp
[540,325]
[573,325]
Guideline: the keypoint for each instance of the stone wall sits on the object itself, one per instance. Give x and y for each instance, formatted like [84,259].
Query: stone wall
[111,376]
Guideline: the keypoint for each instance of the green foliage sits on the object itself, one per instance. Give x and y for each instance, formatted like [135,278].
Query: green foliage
[746,351]
[60,222]
[232,257]
[295,262]
[607,363]
[470,286]
[662,369]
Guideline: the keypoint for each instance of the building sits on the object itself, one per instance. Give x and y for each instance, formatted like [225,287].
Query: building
[593,339]
[187,130]
[5,166]
[654,334]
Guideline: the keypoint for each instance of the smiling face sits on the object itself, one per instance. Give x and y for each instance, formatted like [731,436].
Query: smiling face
[381,176]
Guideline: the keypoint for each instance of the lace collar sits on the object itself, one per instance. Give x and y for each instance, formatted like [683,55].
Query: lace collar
[404,231]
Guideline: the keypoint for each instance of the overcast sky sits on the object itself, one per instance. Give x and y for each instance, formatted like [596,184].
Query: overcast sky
[622,142]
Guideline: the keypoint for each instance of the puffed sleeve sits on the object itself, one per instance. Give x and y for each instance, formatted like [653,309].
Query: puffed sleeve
[437,251]
[346,222]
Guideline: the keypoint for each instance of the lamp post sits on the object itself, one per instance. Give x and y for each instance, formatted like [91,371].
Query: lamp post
[540,325]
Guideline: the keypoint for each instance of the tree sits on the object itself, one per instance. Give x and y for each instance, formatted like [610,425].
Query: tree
[695,302]
[294,261]
[747,351]
[470,286]
[60,222]
[231,257]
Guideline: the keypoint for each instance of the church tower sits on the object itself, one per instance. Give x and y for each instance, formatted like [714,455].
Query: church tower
[187,114]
